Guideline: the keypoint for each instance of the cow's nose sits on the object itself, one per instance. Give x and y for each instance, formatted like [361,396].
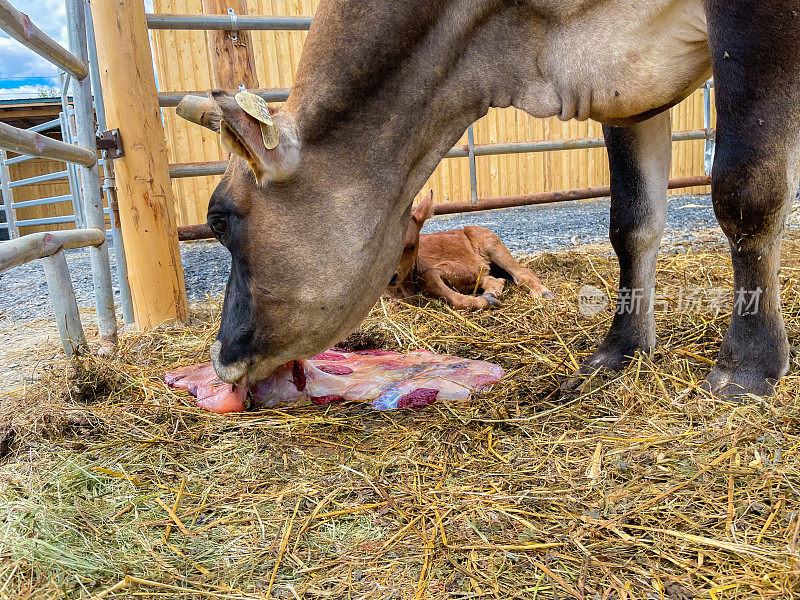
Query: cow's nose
[393,281]
[227,372]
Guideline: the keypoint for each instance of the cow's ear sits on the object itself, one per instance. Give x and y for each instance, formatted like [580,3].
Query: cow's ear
[424,210]
[241,134]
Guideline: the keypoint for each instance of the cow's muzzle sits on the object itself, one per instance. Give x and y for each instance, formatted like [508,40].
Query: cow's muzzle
[232,372]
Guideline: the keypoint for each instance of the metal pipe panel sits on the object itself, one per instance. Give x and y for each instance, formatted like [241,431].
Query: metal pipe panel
[38,245]
[23,141]
[19,26]
[38,179]
[171,99]
[90,181]
[225,23]
[42,201]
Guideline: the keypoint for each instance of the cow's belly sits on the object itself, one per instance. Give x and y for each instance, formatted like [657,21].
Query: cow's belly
[620,61]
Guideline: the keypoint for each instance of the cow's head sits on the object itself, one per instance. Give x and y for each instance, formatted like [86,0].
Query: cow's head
[300,231]
[400,284]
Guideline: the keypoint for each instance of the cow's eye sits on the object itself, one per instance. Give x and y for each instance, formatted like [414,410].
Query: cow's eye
[218,224]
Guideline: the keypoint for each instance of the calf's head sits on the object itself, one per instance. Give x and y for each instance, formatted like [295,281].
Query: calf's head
[300,232]
[401,284]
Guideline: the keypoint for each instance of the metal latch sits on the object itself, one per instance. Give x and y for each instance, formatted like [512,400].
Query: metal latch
[234,30]
[111,142]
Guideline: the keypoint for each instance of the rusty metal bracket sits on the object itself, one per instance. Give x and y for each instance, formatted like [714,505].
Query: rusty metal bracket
[111,142]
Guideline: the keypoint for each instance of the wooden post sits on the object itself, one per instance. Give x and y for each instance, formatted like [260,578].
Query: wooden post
[231,59]
[144,192]
[65,307]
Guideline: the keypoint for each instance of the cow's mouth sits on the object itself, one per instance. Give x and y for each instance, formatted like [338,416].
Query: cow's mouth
[252,369]
[218,396]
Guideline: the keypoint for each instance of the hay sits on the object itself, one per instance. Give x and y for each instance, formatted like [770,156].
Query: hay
[636,487]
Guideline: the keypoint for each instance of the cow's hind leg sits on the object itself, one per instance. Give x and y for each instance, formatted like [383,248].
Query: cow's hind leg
[755,46]
[639,157]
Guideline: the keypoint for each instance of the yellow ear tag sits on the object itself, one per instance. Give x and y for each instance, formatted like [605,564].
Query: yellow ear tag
[256,107]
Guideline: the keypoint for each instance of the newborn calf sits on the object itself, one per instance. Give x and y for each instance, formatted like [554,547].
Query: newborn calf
[451,264]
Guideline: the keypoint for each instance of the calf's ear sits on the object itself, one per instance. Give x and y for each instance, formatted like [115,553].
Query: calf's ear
[424,210]
[242,134]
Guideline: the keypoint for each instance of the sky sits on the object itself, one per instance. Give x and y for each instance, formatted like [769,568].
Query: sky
[23,74]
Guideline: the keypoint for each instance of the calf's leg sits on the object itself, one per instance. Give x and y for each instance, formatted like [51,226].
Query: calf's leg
[639,157]
[500,256]
[492,285]
[432,284]
[755,47]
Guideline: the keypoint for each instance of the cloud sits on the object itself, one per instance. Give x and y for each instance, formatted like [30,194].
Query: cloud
[28,91]
[24,72]
[18,65]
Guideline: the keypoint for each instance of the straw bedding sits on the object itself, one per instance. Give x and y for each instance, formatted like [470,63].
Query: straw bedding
[635,486]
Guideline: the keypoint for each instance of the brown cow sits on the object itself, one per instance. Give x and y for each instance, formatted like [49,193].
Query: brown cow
[451,264]
[384,88]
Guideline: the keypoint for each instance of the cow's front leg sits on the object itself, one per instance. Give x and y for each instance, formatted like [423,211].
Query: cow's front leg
[755,176]
[639,158]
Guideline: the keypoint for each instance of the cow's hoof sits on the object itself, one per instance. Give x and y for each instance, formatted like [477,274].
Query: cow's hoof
[578,380]
[612,359]
[739,384]
[494,301]
[602,363]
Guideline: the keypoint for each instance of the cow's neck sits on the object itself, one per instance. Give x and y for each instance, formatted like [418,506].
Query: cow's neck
[402,82]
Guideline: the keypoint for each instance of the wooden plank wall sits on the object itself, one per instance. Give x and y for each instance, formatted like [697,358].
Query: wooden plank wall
[182,64]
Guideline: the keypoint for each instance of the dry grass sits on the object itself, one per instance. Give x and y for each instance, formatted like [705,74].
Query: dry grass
[634,488]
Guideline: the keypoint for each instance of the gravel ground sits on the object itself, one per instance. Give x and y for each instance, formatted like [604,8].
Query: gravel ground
[524,230]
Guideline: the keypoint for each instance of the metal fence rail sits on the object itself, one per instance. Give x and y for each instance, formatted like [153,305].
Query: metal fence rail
[33,143]
[50,245]
[229,22]
[199,169]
